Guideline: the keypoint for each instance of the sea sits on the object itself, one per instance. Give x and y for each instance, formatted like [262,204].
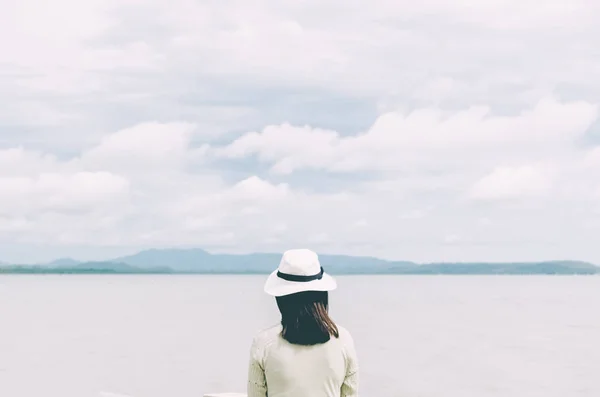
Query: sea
[186,335]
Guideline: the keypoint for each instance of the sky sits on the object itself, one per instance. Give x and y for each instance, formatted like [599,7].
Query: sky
[426,131]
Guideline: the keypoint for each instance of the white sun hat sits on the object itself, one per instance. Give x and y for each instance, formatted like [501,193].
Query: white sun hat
[298,271]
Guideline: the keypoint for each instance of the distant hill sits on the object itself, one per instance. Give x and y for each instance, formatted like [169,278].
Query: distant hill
[198,261]
[176,259]
[523,268]
[62,262]
[83,268]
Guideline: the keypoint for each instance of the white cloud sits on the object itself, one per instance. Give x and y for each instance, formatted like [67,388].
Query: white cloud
[247,126]
[140,186]
[361,223]
[14,224]
[53,191]
[106,49]
[142,147]
[425,138]
[18,161]
[413,214]
[452,239]
[513,182]
[254,188]
[485,222]
[592,158]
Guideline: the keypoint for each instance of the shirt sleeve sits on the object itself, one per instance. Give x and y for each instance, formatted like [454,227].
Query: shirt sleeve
[257,383]
[350,385]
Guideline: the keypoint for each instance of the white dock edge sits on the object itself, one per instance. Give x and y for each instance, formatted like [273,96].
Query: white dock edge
[225,395]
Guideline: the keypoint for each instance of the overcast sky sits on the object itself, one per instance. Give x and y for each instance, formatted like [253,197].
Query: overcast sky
[427,130]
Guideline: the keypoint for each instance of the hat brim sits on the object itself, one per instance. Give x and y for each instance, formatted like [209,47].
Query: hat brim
[276,286]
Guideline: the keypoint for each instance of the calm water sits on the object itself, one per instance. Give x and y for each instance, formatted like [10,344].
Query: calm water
[180,336]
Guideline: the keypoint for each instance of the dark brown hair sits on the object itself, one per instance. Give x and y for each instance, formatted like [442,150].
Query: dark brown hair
[305,318]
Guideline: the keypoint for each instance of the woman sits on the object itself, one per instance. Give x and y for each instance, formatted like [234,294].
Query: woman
[307,355]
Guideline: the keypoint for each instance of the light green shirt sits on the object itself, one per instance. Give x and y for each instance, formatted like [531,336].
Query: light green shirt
[281,369]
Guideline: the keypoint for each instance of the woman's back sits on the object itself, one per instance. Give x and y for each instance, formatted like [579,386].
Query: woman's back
[327,369]
[307,355]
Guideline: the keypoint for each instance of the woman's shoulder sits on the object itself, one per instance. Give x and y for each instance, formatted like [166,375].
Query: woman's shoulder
[344,333]
[262,340]
[267,335]
[345,337]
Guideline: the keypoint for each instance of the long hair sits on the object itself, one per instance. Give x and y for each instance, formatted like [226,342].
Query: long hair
[305,318]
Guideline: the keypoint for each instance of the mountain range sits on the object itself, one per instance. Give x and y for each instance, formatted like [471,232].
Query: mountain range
[167,261]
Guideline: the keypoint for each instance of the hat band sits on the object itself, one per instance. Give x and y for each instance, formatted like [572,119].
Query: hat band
[300,279]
